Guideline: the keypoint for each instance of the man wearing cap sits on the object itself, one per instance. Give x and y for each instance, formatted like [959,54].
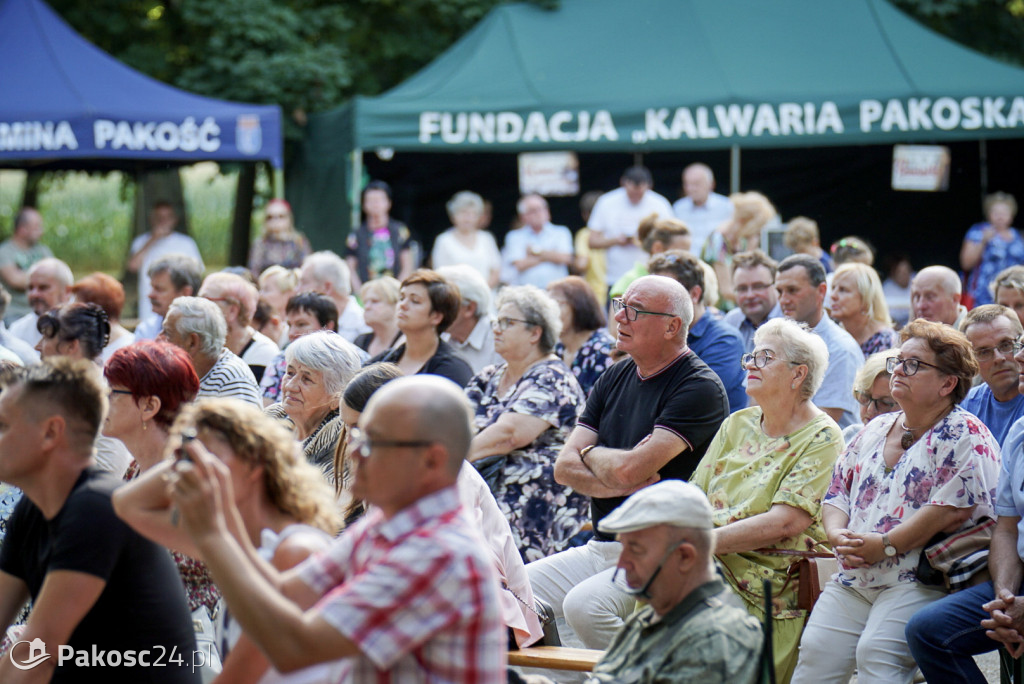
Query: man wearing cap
[648,418]
[691,629]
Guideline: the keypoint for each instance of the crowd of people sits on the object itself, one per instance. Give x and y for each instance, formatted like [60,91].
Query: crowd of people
[375,466]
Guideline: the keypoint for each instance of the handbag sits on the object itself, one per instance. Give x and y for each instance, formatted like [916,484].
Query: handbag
[958,560]
[812,571]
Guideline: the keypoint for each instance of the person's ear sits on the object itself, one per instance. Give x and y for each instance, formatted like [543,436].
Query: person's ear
[435,318]
[948,385]
[149,406]
[696,294]
[192,343]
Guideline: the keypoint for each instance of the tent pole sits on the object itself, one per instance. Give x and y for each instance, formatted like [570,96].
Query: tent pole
[734,169]
[355,183]
[276,181]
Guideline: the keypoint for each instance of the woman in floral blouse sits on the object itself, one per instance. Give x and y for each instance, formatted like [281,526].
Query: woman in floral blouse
[930,467]
[584,344]
[525,409]
[765,475]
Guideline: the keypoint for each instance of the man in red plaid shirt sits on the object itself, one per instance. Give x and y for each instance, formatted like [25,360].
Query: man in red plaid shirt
[407,594]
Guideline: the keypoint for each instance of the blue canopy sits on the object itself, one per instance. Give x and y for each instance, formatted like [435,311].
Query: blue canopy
[63,99]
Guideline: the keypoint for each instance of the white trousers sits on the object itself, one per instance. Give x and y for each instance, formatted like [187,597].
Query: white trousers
[861,628]
[578,584]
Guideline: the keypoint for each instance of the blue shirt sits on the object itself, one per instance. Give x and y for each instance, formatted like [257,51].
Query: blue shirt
[997,416]
[721,348]
[737,319]
[518,243]
[844,360]
[1010,491]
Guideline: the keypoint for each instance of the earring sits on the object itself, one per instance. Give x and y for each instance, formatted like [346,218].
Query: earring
[145,426]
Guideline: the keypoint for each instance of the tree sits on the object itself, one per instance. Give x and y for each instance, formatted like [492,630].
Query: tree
[992,27]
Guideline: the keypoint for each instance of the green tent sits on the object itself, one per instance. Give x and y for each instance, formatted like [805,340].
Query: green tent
[663,75]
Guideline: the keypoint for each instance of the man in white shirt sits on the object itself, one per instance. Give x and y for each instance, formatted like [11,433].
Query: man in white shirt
[237,300]
[702,209]
[470,334]
[159,241]
[540,251]
[49,286]
[616,216]
[327,273]
[170,277]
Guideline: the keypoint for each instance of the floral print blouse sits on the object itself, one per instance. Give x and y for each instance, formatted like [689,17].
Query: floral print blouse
[956,463]
[592,359]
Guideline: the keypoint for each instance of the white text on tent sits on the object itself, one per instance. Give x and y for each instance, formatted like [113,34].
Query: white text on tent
[510,127]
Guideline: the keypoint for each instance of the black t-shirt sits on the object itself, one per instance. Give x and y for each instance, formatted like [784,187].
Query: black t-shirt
[686,398]
[445,362]
[141,608]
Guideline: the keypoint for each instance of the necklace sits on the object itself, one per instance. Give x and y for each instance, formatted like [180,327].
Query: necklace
[907,439]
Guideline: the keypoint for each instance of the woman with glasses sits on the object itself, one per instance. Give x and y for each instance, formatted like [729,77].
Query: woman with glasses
[929,467]
[280,244]
[871,389]
[427,305]
[766,473]
[858,304]
[524,410]
[584,344]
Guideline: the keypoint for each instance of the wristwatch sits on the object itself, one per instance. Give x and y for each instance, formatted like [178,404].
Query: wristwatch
[890,550]
[584,451]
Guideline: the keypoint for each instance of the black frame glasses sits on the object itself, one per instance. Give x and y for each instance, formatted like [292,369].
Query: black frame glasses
[632,313]
[910,366]
[362,446]
[1011,347]
[881,404]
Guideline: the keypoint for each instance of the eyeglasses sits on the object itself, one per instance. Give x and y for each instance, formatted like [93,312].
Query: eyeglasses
[1006,347]
[753,287]
[910,366]
[632,312]
[362,446]
[882,404]
[502,324]
[117,391]
[760,359]
[276,216]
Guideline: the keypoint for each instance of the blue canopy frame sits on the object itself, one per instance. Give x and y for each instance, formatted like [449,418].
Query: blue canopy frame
[64,101]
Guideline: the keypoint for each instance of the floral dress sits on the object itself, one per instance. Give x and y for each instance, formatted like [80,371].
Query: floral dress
[592,359]
[886,338]
[745,473]
[956,463]
[543,514]
[998,254]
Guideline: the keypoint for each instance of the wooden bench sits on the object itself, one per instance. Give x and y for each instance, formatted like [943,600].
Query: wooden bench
[555,658]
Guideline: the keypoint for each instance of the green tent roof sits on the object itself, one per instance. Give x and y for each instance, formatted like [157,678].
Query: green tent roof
[650,75]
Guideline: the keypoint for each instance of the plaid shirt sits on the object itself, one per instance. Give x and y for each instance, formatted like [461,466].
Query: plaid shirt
[417,594]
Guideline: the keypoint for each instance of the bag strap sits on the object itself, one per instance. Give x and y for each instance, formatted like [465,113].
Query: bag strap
[795,552]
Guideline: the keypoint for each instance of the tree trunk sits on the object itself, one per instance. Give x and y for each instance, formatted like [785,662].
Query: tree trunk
[241,220]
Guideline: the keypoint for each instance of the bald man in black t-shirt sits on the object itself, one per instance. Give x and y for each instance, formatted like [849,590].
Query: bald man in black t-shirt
[648,418]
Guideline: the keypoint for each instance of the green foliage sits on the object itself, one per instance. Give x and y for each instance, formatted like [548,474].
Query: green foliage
[992,27]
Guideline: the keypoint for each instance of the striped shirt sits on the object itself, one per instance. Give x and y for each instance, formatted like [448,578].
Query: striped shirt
[417,594]
[230,377]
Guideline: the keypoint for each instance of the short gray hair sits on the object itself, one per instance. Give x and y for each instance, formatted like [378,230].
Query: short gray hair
[58,270]
[539,308]
[328,267]
[183,271]
[205,319]
[328,353]
[471,284]
[464,199]
[798,345]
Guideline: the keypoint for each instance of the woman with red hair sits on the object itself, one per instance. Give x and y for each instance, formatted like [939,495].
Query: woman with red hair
[108,293]
[280,243]
[150,382]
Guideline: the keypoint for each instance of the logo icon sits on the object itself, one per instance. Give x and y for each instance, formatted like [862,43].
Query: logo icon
[36,654]
[248,134]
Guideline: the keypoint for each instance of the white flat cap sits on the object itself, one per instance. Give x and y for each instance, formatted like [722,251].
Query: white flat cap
[669,502]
